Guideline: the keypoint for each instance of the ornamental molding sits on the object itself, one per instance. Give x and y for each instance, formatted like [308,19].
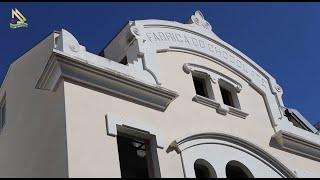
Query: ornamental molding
[220,107]
[161,36]
[218,137]
[199,20]
[63,67]
[215,76]
[68,44]
[112,121]
[135,31]
[306,146]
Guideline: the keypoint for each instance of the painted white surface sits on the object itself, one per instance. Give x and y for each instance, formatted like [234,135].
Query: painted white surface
[113,120]
[219,155]
[33,142]
[66,126]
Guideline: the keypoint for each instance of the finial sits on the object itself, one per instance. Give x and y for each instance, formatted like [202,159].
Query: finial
[199,13]
[199,20]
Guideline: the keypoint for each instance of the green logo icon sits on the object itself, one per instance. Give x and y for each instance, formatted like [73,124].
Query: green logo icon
[17,19]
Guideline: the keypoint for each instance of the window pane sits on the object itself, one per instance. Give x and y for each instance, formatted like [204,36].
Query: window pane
[203,169]
[200,86]
[227,97]
[235,169]
[133,157]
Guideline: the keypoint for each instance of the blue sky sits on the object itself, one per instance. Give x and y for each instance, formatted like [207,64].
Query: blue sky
[283,38]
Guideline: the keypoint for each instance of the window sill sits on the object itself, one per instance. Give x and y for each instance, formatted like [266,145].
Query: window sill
[221,108]
[237,112]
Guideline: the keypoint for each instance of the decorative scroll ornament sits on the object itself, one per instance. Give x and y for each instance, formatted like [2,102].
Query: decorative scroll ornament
[278,88]
[135,31]
[238,87]
[74,47]
[199,20]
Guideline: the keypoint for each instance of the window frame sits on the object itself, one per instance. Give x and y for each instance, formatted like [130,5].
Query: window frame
[151,148]
[233,92]
[138,127]
[216,100]
[207,84]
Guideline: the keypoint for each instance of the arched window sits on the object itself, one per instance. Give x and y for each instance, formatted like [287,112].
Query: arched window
[203,169]
[235,169]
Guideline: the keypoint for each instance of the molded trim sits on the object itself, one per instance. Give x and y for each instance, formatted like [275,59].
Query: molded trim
[221,108]
[62,66]
[294,143]
[207,137]
[113,120]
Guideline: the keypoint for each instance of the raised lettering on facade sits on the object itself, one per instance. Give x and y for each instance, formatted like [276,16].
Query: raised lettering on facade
[188,40]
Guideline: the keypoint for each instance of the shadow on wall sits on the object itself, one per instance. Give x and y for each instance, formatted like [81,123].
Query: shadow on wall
[273,143]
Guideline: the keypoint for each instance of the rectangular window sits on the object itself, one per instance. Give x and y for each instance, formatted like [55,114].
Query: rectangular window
[138,155]
[200,85]
[227,97]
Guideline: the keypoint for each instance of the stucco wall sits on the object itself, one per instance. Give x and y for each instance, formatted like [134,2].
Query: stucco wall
[33,142]
[91,152]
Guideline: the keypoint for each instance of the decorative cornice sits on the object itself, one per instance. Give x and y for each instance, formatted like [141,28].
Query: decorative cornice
[62,66]
[294,143]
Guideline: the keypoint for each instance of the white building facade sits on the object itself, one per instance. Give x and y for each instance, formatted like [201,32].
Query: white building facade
[162,99]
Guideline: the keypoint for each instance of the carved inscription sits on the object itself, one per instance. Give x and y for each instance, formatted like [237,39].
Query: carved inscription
[188,40]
